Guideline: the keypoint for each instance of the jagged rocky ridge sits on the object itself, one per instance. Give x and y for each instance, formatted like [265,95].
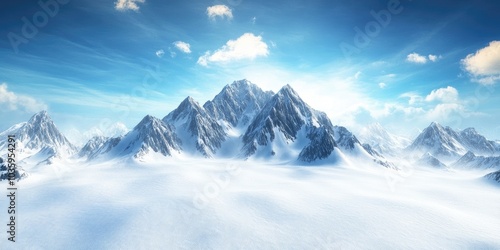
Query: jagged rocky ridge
[238,103]
[288,117]
[196,127]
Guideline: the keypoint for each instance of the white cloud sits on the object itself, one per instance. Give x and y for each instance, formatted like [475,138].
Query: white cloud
[160,53]
[382,85]
[413,98]
[445,111]
[434,58]
[420,59]
[488,80]
[247,46]
[183,46]
[254,19]
[445,95]
[12,101]
[124,5]
[484,65]
[416,58]
[219,10]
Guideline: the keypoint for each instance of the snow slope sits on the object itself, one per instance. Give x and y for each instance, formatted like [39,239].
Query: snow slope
[214,204]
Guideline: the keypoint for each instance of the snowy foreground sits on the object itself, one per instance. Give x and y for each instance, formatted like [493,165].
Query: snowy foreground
[249,205]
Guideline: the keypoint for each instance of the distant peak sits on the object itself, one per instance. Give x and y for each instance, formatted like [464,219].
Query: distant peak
[42,113]
[470,131]
[435,125]
[41,116]
[147,119]
[242,81]
[146,122]
[239,84]
[189,99]
[376,126]
[287,89]
[188,102]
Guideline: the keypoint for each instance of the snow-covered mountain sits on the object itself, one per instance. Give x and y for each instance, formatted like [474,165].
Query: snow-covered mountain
[382,141]
[447,144]
[98,145]
[287,128]
[245,121]
[472,161]
[150,135]
[441,142]
[429,160]
[198,131]
[38,139]
[477,143]
[495,176]
[238,103]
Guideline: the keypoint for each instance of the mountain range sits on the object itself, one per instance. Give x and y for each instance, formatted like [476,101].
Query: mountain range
[449,145]
[243,121]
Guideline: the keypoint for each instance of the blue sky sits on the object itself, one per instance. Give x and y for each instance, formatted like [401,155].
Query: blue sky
[401,63]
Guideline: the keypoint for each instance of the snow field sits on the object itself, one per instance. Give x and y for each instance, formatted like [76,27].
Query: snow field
[215,204]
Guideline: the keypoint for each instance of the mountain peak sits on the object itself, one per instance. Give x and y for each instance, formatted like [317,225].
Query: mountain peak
[40,132]
[40,117]
[147,121]
[240,83]
[376,127]
[151,134]
[287,89]
[189,102]
[189,99]
[188,107]
[435,125]
[469,131]
[238,102]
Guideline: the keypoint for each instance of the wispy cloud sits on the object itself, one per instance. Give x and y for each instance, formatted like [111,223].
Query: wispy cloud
[421,59]
[123,5]
[247,46]
[219,11]
[484,65]
[160,53]
[12,101]
[183,46]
